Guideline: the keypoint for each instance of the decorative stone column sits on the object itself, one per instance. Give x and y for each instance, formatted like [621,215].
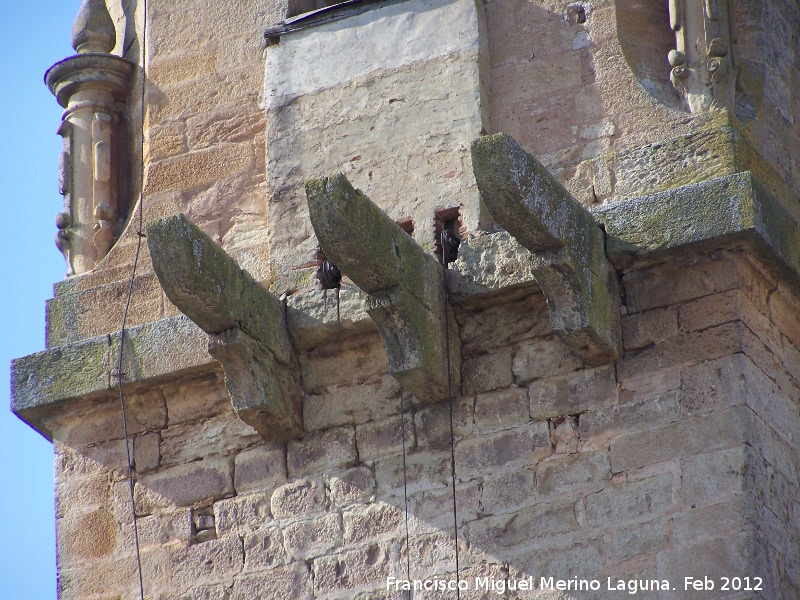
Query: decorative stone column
[702,70]
[92,86]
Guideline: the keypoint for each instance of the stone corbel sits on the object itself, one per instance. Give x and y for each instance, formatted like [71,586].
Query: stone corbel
[569,261]
[404,284]
[246,324]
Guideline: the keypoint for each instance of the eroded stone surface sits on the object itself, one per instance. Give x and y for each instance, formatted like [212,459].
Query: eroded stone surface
[701,212]
[709,335]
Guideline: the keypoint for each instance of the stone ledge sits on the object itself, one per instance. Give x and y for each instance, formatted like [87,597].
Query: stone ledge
[45,383]
[489,264]
[639,231]
[708,213]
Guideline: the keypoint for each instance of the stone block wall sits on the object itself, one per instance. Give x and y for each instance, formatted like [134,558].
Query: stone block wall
[679,459]
[568,91]
[593,100]
[204,152]
[390,97]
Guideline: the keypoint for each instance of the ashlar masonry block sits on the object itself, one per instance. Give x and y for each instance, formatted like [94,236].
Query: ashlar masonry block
[372,104]
[679,456]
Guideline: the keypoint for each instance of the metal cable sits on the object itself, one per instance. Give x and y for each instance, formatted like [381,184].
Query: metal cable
[120,373]
[405,483]
[450,402]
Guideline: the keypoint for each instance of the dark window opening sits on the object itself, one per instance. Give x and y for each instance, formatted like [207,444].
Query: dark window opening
[299,7]
[446,220]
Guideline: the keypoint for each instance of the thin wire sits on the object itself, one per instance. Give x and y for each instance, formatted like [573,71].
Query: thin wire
[405,483]
[120,374]
[450,401]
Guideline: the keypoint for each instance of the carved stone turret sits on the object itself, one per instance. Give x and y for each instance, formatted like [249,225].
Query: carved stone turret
[702,70]
[93,30]
[92,86]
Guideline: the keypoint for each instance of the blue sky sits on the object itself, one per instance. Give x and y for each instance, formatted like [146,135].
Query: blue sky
[35,34]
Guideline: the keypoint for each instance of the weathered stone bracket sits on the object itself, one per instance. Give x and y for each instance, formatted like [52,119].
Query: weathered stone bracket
[246,324]
[405,285]
[568,261]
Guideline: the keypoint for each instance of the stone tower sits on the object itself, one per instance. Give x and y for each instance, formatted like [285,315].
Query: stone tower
[497,293]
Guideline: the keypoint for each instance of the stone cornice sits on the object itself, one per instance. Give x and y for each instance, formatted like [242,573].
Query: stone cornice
[704,216]
[45,384]
[708,213]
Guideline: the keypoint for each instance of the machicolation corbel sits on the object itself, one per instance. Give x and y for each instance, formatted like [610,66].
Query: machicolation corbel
[245,322]
[569,261]
[404,283]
